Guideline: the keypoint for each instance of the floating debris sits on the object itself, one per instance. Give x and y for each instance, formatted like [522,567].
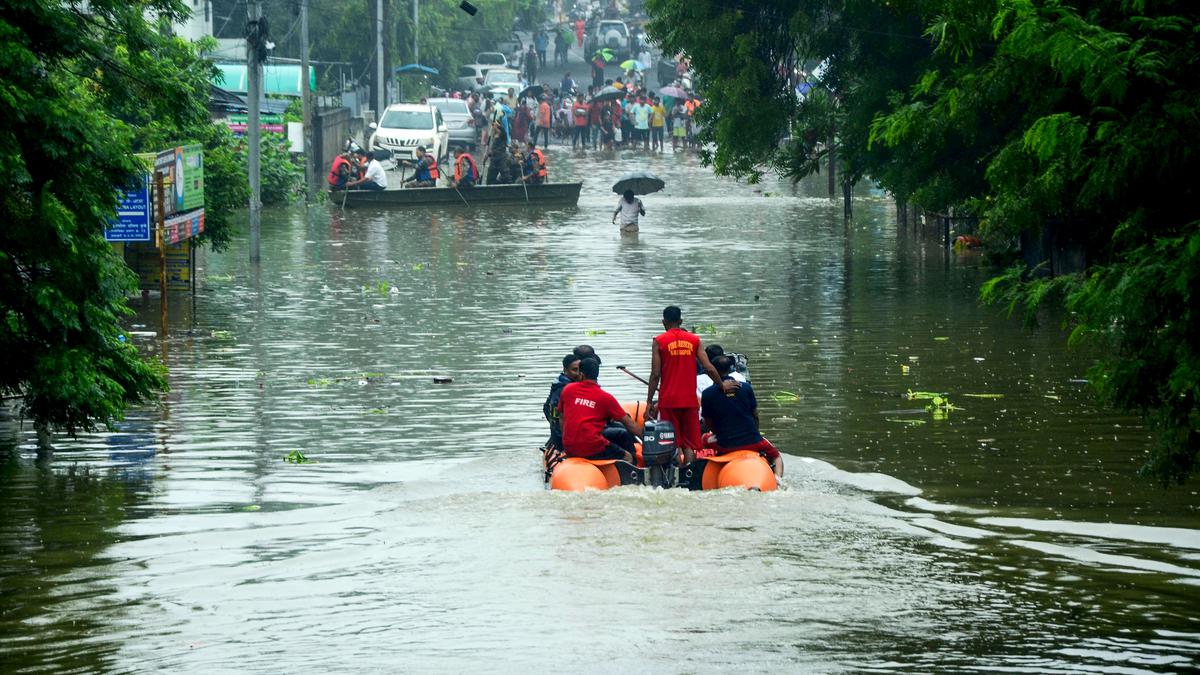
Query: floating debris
[297,457]
[907,423]
[984,395]
[786,397]
[442,379]
[941,338]
[593,332]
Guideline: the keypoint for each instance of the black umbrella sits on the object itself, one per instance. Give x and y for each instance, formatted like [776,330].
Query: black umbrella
[641,182]
[534,90]
[608,94]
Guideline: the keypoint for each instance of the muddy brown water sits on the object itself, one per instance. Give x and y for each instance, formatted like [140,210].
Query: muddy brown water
[1010,535]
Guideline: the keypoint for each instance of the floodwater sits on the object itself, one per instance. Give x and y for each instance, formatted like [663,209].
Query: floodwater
[1009,535]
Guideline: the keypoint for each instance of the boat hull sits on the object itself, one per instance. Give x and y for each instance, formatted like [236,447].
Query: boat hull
[481,195]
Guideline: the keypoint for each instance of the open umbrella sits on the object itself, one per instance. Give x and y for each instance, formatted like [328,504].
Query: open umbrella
[632,64]
[673,92]
[641,182]
[534,90]
[608,94]
[604,55]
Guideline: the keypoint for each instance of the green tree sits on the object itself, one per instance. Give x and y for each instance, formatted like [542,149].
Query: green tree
[1068,121]
[81,86]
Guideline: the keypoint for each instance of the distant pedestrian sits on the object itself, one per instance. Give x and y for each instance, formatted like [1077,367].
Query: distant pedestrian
[560,48]
[543,121]
[531,65]
[641,113]
[658,117]
[541,42]
[579,32]
[579,122]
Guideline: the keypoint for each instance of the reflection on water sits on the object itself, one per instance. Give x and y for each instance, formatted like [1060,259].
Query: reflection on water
[420,535]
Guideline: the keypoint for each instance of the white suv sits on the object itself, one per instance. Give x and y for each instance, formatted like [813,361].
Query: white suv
[405,126]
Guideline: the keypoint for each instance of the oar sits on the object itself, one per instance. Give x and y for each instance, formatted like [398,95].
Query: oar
[523,187]
[625,370]
[460,195]
[345,193]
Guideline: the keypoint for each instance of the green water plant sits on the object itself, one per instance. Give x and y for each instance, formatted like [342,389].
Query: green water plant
[297,457]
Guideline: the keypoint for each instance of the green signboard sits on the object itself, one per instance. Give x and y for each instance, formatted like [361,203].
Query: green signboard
[183,170]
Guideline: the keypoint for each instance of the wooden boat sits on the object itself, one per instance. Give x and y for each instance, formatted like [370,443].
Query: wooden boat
[480,195]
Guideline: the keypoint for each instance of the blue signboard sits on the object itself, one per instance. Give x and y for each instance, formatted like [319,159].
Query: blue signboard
[133,216]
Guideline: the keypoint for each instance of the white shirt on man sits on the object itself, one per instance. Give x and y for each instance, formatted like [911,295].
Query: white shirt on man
[376,174]
[628,215]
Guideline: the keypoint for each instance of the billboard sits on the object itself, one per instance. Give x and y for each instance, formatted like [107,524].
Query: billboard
[135,211]
[133,214]
[183,169]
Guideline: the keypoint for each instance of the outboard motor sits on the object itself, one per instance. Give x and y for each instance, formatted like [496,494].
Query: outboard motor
[658,453]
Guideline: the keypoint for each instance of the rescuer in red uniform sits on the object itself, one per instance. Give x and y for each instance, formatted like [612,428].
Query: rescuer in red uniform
[673,366]
[586,410]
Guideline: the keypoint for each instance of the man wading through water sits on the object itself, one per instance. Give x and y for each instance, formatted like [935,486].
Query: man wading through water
[674,355]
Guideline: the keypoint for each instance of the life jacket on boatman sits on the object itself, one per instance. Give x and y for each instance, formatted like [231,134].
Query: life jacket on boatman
[534,170]
[466,173]
[426,170]
[340,172]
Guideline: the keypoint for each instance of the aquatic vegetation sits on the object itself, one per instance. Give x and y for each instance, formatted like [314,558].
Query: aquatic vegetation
[785,397]
[593,332]
[297,457]
[984,395]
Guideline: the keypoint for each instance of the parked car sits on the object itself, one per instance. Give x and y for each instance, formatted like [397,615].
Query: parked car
[511,47]
[470,76]
[611,34]
[489,60]
[500,80]
[458,119]
[404,126]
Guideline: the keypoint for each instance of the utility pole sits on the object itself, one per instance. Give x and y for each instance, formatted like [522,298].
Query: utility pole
[416,34]
[255,37]
[310,170]
[380,83]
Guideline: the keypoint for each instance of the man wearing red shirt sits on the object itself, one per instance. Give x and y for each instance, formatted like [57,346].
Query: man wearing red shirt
[586,410]
[673,364]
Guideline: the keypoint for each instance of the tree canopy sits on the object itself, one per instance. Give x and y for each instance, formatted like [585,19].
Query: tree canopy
[83,86]
[1057,120]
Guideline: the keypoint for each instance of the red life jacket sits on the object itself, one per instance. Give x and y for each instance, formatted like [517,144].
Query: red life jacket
[458,168]
[433,168]
[338,162]
[539,166]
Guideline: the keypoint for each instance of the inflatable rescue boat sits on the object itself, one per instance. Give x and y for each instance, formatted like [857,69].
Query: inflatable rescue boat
[655,464]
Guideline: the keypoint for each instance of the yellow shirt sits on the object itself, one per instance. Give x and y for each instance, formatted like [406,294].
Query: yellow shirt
[658,116]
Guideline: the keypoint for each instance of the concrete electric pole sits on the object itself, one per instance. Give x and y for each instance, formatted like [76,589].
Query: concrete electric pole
[255,51]
[310,169]
[380,83]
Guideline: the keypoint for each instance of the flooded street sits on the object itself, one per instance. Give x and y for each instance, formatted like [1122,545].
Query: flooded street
[1010,535]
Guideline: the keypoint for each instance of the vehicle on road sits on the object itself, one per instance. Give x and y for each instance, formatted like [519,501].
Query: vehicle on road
[404,126]
[500,80]
[610,34]
[470,76]
[459,123]
[511,47]
[489,60]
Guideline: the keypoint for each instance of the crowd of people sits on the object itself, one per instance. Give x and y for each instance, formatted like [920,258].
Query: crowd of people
[692,387]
